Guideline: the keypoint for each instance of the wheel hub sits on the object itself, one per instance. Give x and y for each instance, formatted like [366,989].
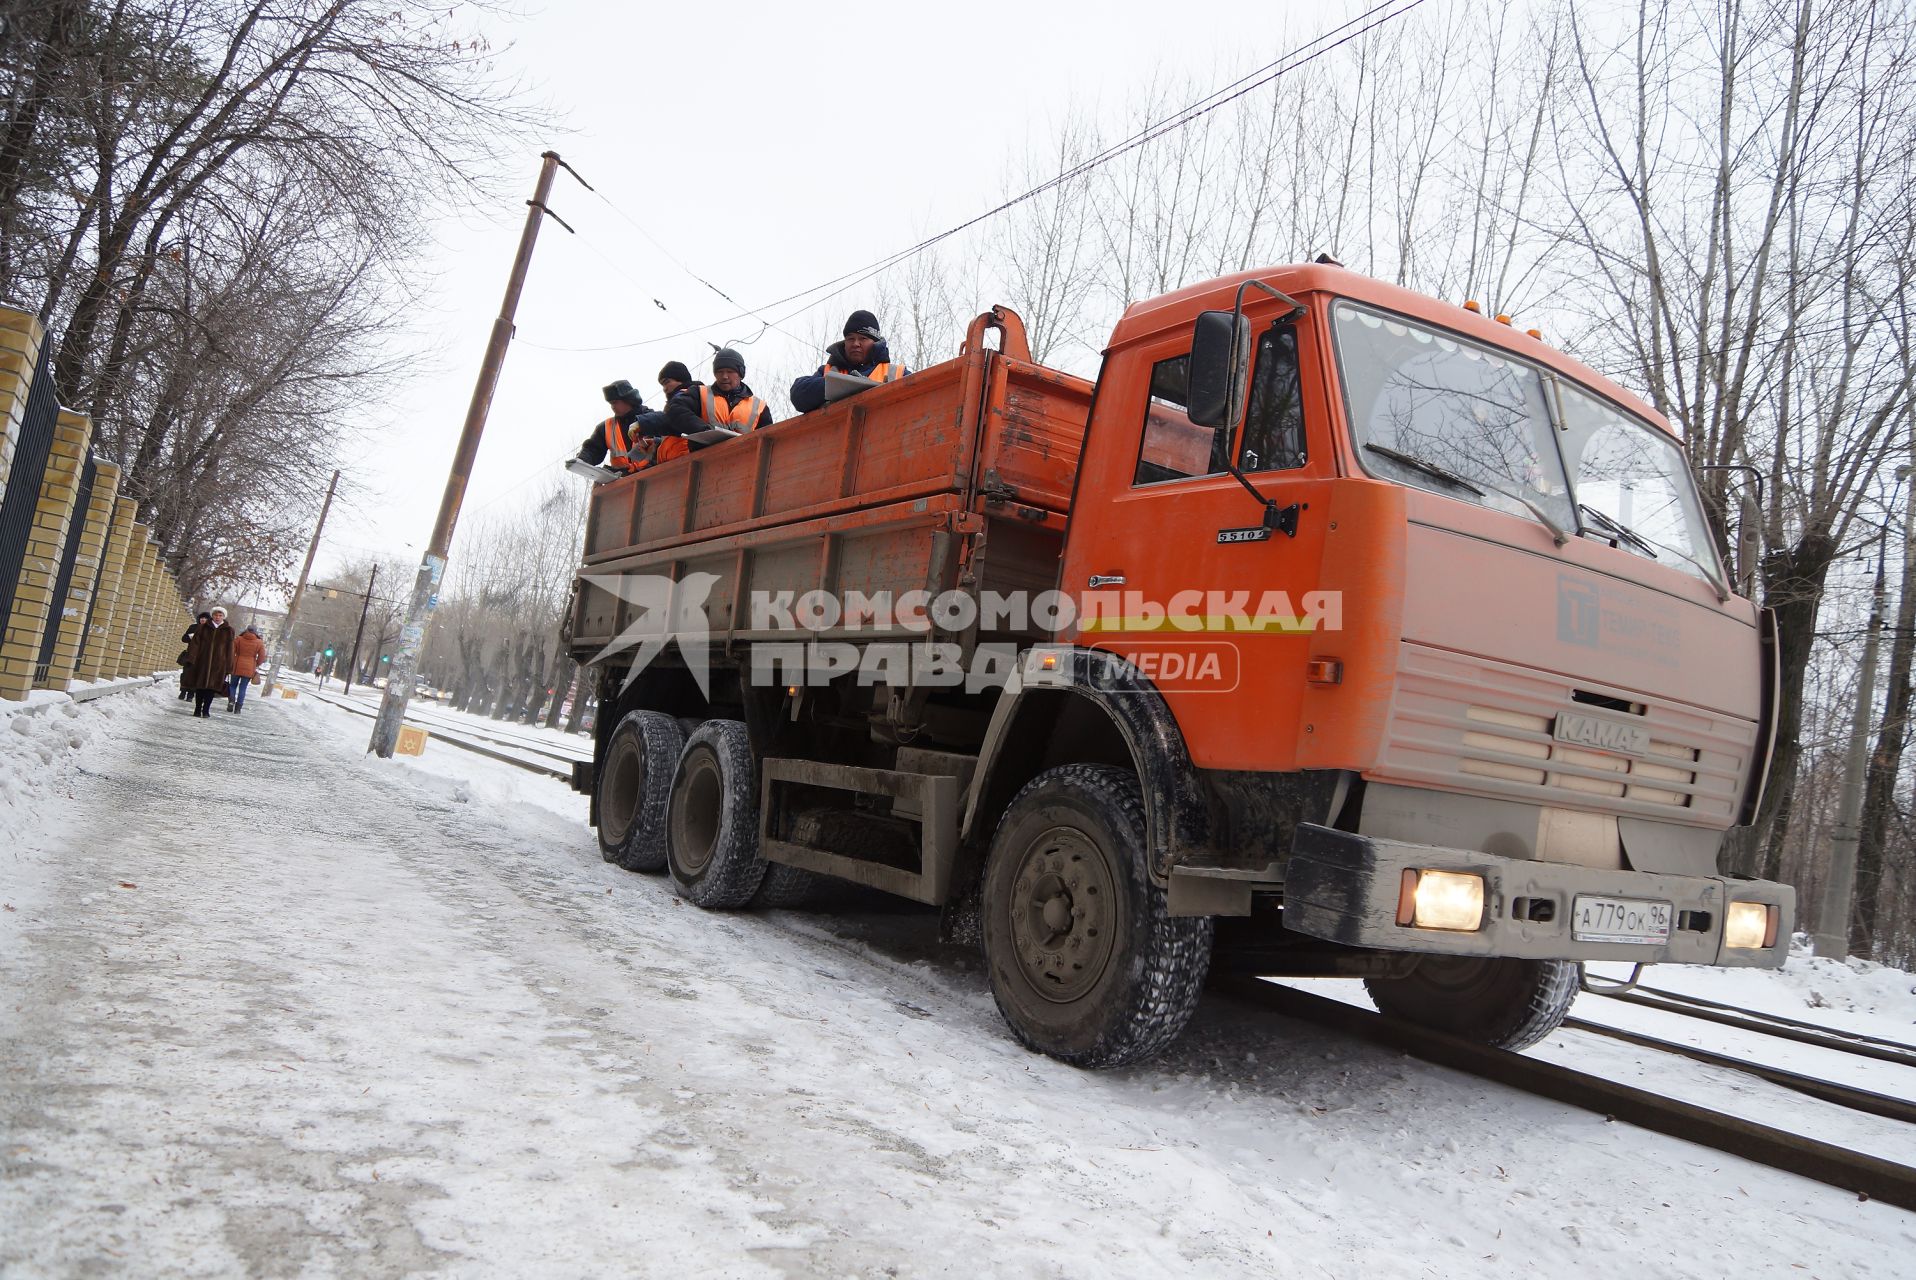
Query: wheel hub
[1061,924]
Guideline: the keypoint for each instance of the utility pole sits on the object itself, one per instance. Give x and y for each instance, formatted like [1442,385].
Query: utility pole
[425,591]
[352,663]
[292,610]
[1831,936]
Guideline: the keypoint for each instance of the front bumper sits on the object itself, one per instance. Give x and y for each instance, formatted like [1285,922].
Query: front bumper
[1344,887]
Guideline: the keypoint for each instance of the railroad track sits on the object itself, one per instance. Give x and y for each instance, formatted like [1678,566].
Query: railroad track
[1865,1175]
[428,718]
[1775,1025]
[454,738]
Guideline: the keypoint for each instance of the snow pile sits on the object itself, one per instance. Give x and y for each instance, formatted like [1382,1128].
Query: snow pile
[38,741]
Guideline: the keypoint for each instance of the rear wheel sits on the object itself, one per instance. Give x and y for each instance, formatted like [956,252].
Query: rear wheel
[635,784]
[712,821]
[1498,1001]
[1087,964]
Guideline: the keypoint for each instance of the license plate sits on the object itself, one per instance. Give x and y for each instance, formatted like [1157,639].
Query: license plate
[1620,920]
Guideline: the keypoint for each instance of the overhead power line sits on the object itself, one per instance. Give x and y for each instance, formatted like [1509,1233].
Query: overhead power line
[1269,73]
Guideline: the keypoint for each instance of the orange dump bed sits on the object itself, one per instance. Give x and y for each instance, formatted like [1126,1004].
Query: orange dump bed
[957,477]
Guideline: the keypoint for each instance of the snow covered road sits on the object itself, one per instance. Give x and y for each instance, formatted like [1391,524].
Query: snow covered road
[273,1007]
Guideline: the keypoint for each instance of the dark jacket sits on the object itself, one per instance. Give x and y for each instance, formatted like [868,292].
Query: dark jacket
[682,416]
[808,393]
[209,657]
[187,639]
[593,450]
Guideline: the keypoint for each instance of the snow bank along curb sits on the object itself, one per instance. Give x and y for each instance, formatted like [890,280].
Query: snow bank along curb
[39,737]
[40,700]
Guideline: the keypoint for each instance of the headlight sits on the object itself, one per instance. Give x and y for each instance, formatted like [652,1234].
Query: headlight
[1750,925]
[1441,900]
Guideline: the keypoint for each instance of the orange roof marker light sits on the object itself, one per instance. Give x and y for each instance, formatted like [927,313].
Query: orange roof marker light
[1470,304]
[1535,333]
[1502,318]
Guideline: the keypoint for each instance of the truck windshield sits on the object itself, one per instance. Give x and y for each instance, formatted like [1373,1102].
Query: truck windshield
[1423,404]
[1439,412]
[1633,478]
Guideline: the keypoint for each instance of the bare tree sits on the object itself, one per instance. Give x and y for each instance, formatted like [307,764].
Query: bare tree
[1714,244]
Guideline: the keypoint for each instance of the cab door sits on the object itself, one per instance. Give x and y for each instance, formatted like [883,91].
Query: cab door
[1169,555]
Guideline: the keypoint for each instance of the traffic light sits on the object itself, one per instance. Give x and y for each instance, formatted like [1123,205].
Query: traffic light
[385,657]
[329,651]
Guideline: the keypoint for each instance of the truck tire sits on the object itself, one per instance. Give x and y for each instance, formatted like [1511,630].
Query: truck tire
[1087,964]
[786,888]
[635,784]
[711,826]
[1498,1001]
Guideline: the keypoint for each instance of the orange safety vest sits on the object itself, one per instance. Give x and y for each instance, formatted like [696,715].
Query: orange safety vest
[617,456]
[890,371]
[742,416]
[668,448]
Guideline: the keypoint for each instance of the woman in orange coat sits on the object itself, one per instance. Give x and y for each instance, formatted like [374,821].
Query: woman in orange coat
[248,652]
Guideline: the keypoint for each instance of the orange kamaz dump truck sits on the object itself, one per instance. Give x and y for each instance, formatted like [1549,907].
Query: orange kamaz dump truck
[1333,631]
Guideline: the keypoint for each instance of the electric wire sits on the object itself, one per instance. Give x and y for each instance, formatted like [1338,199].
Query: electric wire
[1269,73]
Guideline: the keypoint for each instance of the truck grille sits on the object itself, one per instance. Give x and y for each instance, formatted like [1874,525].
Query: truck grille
[1465,723]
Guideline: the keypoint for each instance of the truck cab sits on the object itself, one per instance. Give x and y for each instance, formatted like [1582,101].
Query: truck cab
[1397,646]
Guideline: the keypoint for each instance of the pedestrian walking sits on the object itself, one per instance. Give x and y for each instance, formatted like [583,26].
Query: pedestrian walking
[209,660]
[187,640]
[248,652]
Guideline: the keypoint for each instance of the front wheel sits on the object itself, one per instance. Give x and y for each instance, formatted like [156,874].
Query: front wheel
[1498,1001]
[1087,964]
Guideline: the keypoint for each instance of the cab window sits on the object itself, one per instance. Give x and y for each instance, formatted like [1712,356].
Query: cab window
[1274,426]
[1173,447]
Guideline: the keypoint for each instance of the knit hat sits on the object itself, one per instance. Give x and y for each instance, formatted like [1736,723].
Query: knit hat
[622,390]
[726,358]
[866,323]
[675,370]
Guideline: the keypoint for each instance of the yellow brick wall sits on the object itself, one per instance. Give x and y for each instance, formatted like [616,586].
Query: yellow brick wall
[127,658]
[140,658]
[82,588]
[166,596]
[20,338]
[101,652]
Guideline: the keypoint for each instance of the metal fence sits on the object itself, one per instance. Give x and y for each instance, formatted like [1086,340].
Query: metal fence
[23,481]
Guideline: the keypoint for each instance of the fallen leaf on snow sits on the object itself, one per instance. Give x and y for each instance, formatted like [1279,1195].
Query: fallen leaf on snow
[128,884]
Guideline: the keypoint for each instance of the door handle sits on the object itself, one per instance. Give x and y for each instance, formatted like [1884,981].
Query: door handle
[1106,580]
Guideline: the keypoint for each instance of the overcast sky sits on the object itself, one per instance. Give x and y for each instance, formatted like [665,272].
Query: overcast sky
[790,145]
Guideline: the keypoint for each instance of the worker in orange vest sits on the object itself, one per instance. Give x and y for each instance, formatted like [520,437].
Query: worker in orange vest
[863,352]
[614,444]
[727,403]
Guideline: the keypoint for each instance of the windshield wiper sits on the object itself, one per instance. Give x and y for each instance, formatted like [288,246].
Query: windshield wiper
[1477,487]
[1428,468]
[1620,529]
[1624,531]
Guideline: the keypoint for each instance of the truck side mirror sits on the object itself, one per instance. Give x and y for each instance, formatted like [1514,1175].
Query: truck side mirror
[1220,353]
